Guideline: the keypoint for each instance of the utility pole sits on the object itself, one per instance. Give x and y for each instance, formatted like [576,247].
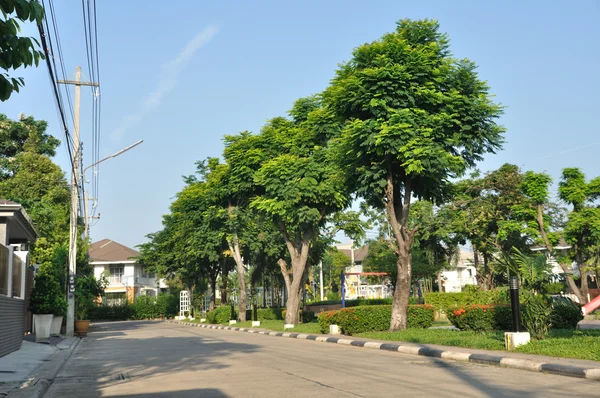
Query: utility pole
[321,278]
[74,198]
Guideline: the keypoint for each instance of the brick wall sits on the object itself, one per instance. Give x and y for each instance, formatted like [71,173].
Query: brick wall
[12,324]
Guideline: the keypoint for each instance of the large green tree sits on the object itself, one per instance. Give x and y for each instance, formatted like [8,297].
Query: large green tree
[300,188]
[415,118]
[15,50]
[583,225]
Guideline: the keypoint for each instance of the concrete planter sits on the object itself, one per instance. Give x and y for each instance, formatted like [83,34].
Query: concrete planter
[255,324]
[43,326]
[56,324]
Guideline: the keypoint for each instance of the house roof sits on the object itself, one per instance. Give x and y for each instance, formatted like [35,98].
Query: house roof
[359,253]
[110,251]
[21,225]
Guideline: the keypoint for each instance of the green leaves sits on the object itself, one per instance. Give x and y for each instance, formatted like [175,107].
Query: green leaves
[16,51]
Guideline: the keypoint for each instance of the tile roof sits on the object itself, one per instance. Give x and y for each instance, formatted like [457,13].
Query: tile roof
[108,250]
[7,202]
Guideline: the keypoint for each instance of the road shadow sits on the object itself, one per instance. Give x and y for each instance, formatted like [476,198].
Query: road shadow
[109,356]
[195,393]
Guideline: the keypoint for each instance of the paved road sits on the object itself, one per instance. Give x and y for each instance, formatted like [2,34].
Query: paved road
[150,359]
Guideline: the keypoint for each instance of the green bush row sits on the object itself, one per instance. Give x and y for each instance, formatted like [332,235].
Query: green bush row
[374,318]
[443,302]
[145,307]
[561,314]
[360,302]
[270,314]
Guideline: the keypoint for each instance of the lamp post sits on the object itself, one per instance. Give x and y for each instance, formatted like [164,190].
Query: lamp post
[86,199]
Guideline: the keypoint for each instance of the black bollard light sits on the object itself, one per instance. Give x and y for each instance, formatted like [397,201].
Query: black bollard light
[255,315]
[514,304]
[232,317]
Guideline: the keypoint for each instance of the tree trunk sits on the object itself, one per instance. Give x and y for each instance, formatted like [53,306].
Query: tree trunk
[234,247]
[213,294]
[224,275]
[293,280]
[402,291]
[583,275]
[570,281]
[439,281]
[398,207]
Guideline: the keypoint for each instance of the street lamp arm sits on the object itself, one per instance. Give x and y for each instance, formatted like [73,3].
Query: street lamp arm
[114,155]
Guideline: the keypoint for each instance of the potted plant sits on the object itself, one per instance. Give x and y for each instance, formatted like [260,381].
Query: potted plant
[59,312]
[43,302]
[87,291]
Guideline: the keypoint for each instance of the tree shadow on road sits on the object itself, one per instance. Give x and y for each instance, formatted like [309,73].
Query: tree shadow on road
[109,356]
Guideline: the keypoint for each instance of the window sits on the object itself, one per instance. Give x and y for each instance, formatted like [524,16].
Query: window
[116,274]
[112,299]
[17,271]
[4,270]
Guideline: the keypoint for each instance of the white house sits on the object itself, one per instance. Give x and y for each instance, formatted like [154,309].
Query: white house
[453,280]
[465,273]
[127,279]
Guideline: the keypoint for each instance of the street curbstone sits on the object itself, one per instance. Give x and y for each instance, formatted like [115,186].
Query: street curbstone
[523,364]
[345,341]
[484,359]
[408,349]
[592,374]
[372,344]
[456,356]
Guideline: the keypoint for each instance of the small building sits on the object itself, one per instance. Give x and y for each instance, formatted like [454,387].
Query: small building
[127,279]
[16,277]
[455,280]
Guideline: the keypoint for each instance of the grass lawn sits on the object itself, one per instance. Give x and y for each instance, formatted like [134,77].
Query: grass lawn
[484,341]
[312,327]
[579,344]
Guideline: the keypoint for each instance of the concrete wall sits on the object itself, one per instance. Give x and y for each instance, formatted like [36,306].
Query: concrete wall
[12,324]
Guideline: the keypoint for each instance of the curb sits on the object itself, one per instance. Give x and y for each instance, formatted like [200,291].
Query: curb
[481,359]
[37,386]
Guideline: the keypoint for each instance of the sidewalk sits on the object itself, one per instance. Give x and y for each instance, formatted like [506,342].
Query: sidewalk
[19,370]
[535,363]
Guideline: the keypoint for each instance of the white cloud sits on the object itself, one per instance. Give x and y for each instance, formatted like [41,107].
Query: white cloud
[168,80]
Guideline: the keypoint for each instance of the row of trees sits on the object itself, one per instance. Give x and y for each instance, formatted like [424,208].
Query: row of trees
[399,121]
[503,215]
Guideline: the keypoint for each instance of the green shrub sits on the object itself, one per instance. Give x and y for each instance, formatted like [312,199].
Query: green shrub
[120,312]
[565,313]
[46,296]
[555,288]
[167,305]
[144,307]
[448,302]
[220,314]
[270,314]
[374,318]
[537,317]
[325,319]
[475,317]
[333,296]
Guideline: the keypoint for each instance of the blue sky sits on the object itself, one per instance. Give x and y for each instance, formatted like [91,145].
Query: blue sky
[180,77]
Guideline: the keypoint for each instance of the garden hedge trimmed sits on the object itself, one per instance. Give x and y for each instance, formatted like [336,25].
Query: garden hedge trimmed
[375,318]
[485,318]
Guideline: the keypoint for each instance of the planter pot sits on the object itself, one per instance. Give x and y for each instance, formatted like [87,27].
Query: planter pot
[43,325]
[82,326]
[56,324]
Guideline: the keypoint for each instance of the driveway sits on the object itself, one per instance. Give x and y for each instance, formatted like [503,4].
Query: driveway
[153,359]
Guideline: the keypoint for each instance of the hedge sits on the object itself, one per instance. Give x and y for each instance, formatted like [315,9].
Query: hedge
[270,314]
[446,302]
[222,314]
[360,302]
[373,318]
[144,307]
[482,318]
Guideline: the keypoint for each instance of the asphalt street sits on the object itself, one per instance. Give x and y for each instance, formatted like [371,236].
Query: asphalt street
[154,359]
